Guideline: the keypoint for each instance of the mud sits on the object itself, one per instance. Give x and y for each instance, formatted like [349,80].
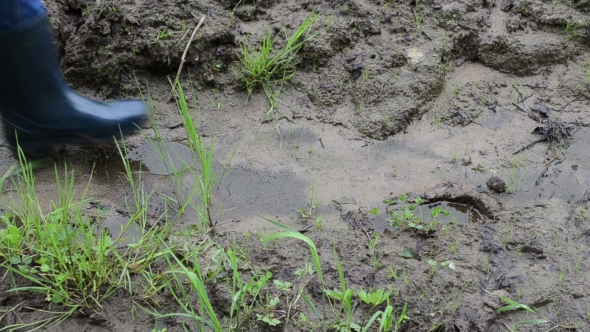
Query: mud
[391,98]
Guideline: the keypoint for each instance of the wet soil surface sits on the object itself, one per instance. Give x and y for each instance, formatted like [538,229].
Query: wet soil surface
[429,99]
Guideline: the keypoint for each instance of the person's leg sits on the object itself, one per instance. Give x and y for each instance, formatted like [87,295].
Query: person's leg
[37,108]
[18,14]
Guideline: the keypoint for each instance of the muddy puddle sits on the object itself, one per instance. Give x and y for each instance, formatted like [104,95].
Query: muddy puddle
[441,212]
[121,230]
[424,99]
[164,158]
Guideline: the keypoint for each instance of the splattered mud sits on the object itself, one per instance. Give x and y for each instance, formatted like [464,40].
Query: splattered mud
[425,98]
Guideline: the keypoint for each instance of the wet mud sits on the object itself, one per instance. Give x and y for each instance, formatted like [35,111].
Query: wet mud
[427,99]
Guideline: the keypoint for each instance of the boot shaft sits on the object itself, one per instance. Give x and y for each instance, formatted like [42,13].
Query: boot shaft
[19,14]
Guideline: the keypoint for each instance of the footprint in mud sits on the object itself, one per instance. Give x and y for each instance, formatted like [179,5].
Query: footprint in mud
[162,158]
[456,208]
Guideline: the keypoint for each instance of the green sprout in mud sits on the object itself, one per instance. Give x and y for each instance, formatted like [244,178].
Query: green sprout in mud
[162,34]
[419,14]
[264,67]
[515,177]
[374,298]
[268,315]
[539,320]
[267,68]
[372,245]
[405,216]
[306,213]
[434,264]
[571,31]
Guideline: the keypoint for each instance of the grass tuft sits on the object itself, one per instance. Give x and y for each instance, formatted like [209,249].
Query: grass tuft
[263,68]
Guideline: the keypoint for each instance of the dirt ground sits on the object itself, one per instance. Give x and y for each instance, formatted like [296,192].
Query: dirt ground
[430,98]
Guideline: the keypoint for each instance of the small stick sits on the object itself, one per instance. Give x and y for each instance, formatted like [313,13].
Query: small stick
[182,60]
[544,139]
[360,224]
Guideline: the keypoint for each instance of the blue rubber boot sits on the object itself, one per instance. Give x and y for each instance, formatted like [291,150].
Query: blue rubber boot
[36,105]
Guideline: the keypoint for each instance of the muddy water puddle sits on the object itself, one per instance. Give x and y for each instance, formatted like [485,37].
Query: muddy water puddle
[239,192]
[445,212]
[162,158]
[122,231]
[458,213]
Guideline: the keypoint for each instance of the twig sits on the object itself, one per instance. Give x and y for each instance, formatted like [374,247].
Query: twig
[532,116]
[527,97]
[360,224]
[569,102]
[544,139]
[305,229]
[585,198]
[183,59]
[535,86]
[547,165]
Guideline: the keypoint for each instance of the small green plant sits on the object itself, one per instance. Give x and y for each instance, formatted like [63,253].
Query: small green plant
[62,253]
[406,216]
[515,179]
[268,316]
[264,67]
[181,291]
[513,305]
[306,213]
[366,74]
[288,232]
[445,68]
[161,35]
[479,168]
[419,14]
[571,31]
[201,155]
[319,222]
[453,247]
[434,264]
[393,273]
[376,257]
[374,298]
[232,15]
[388,321]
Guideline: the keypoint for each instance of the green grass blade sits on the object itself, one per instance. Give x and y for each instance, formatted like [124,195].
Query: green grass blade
[196,280]
[340,270]
[386,319]
[533,322]
[281,226]
[371,321]
[296,235]
[513,305]
[312,307]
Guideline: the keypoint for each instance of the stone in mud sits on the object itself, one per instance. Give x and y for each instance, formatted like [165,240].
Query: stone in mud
[506,5]
[497,185]
[354,65]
